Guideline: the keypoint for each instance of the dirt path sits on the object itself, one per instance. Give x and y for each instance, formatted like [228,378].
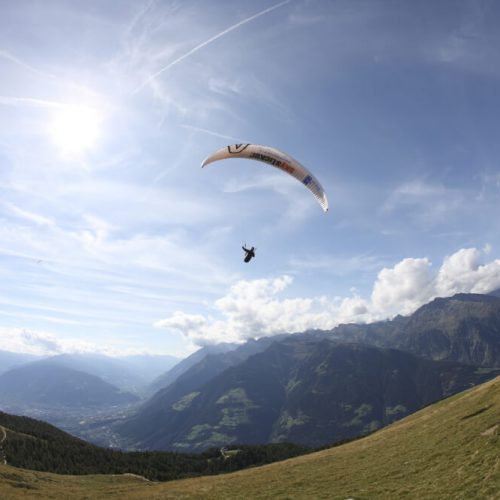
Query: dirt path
[3,437]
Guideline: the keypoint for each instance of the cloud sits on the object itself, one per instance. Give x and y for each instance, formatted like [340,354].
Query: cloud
[41,343]
[92,272]
[13,59]
[97,254]
[38,219]
[253,309]
[28,101]
[463,271]
[208,42]
[401,289]
[187,323]
[44,343]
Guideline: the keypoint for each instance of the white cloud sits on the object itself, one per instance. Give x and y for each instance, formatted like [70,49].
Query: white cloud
[38,219]
[43,343]
[463,272]
[185,322]
[401,289]
[253,309]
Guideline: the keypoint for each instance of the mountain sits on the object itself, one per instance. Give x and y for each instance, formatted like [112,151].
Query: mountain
[170,376]
[150,366]
[100,428]
[304,391]
[461,330]
[44,383]
[464,328]
[206,367]
[129,373]
[111,370]
[447,450]
[10,360]
[199,373]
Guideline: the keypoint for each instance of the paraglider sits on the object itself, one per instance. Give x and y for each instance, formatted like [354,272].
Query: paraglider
[249,253]
[275,158]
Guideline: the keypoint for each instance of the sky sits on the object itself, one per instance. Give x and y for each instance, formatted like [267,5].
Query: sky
[114,240]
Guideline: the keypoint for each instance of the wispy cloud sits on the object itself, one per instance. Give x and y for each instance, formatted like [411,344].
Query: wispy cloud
[43,343]
[206,43]
[140,14]
[18,62]
[29,216]
[29,101]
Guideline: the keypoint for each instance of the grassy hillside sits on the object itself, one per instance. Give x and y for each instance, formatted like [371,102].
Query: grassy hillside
[448,450]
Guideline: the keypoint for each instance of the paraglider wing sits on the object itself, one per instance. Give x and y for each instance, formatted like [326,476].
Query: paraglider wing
[275,158]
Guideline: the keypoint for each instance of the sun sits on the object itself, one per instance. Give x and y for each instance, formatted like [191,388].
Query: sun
[75,129]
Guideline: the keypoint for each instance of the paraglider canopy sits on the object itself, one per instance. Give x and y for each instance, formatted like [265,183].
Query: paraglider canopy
[275,158]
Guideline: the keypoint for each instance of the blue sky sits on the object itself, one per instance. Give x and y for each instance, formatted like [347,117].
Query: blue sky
[112,238]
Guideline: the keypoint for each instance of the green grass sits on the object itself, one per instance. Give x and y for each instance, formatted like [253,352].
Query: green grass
[450,450]
[185,402]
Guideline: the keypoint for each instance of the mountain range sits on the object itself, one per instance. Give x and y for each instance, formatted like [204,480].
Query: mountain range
[323,386]
[129,373]
[132,373]
[73,390]
[464,328]
[44,383]
[314,388]
[167,377]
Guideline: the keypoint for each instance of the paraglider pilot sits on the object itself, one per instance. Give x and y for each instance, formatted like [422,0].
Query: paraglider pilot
[249,253]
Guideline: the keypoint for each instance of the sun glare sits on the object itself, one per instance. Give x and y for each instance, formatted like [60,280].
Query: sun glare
[75,129]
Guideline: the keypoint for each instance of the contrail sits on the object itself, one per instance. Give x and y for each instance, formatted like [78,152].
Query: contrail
[9,57]
[29,101]
[139,15]
[211,132]
[207,42]
[205,131]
